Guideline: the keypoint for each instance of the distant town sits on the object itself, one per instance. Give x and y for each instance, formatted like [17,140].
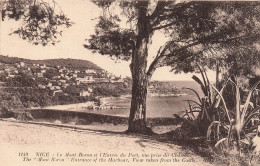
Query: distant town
[58,78]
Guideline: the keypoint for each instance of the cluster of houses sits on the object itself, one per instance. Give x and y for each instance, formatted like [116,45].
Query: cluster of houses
[62,78]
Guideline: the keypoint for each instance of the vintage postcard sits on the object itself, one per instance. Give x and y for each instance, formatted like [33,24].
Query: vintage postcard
[121,82]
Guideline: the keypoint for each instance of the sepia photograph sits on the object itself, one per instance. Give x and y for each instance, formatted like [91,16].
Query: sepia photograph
[129,83]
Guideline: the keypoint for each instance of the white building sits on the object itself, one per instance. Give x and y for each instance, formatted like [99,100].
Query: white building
[85,93]
[90,89]
[57,91]
[41,86]
[39,75]
[22,64]
[87,79]
[43,66]
[90,71]
[49,84]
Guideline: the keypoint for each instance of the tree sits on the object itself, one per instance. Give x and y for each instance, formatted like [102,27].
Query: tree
[41,20]
[194,31]
[241,62]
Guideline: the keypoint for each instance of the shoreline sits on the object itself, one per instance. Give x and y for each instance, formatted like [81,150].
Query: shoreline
[105,101]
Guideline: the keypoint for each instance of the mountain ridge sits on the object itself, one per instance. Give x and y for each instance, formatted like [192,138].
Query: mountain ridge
[68,63]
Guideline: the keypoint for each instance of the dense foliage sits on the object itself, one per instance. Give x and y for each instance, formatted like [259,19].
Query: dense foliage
[41,20]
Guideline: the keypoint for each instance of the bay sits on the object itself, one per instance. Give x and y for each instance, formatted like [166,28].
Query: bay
[164,106]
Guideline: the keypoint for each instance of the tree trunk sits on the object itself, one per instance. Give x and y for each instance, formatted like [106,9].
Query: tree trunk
[137,118]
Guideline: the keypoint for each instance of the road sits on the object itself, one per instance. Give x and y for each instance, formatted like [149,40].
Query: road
[47,144]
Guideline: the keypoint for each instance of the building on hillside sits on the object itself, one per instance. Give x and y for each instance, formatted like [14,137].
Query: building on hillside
[56,87]
[39,74]
[101,80]
[90,71]
[43,71]
[43,66]
[63,81]
[256,69]
[7,69]
[52,88]
[22,64]
[26,72]
[57,92]
[65,85]
[117,79]
[87,79]
[12,72]
[41,86]
[11,76]
[49,84]
[112,77]
[67,77]
[84,93]
[90,89]
[18,65]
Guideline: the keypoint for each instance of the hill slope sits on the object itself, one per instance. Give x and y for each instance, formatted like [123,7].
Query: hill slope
[68,63]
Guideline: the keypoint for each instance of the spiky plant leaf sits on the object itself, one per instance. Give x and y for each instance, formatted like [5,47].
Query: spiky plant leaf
[220,142]
[194,92]
[210,129]
[223,101]
[203,88]
[248,101]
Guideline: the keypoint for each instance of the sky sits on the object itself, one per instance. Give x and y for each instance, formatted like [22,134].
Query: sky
[83,14]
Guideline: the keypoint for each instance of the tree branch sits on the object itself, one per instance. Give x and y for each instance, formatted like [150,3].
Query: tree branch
[210,41]
[161,54]
[157,61]
[163,26]
[159,8]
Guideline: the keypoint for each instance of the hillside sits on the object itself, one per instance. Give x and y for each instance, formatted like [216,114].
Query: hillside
[68,63]
[38,83]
